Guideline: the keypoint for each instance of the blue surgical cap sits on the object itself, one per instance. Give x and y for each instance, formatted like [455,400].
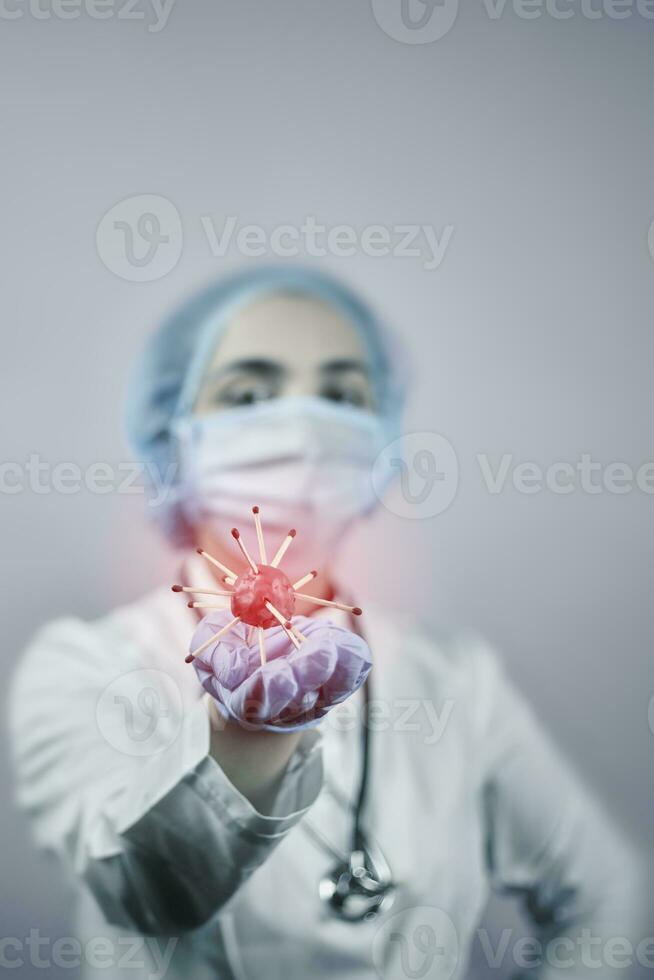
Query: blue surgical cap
[167,377]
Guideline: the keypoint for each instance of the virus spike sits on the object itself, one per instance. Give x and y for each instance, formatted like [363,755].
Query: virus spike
[262,646]
[189,588]
[305,578]
[205,605]
[281,551]
[355,610]
[262,543]
[246,553]
[283,623]
[218,564]
[297,633]
[190,657]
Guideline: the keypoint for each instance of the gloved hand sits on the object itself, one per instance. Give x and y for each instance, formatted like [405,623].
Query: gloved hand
[295,688]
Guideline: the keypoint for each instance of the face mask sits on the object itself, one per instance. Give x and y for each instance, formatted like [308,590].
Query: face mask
[305,461]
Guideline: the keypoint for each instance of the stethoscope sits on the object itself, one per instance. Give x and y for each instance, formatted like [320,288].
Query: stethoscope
[360,886]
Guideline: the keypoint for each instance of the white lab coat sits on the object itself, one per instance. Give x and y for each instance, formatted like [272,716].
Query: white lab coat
[110,731]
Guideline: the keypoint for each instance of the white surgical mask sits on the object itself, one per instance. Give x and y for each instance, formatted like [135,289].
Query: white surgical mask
[305,462]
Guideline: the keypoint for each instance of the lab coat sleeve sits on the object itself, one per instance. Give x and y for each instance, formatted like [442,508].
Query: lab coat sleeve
[548,842]
[154,829]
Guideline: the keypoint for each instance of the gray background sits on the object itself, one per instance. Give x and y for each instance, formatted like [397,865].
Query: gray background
[533,138]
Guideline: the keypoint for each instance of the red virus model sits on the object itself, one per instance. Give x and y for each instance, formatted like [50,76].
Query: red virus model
[261,597]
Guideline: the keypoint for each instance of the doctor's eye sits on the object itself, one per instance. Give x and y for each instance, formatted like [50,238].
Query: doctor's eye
[348,394]
[243,392]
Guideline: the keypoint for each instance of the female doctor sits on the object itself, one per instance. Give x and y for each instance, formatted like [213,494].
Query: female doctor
[294,843]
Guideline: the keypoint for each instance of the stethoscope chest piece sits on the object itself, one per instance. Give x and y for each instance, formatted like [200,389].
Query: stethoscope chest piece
[355,891]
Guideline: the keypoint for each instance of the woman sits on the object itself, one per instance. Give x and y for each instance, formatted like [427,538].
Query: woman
[360,838]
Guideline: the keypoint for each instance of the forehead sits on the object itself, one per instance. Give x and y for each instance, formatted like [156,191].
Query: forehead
[293,330]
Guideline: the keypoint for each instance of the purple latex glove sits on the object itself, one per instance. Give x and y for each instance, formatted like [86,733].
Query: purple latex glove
[295,688]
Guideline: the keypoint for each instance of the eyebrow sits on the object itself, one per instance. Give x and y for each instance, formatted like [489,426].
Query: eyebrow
[265,368]
[342,364]
[253,365]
